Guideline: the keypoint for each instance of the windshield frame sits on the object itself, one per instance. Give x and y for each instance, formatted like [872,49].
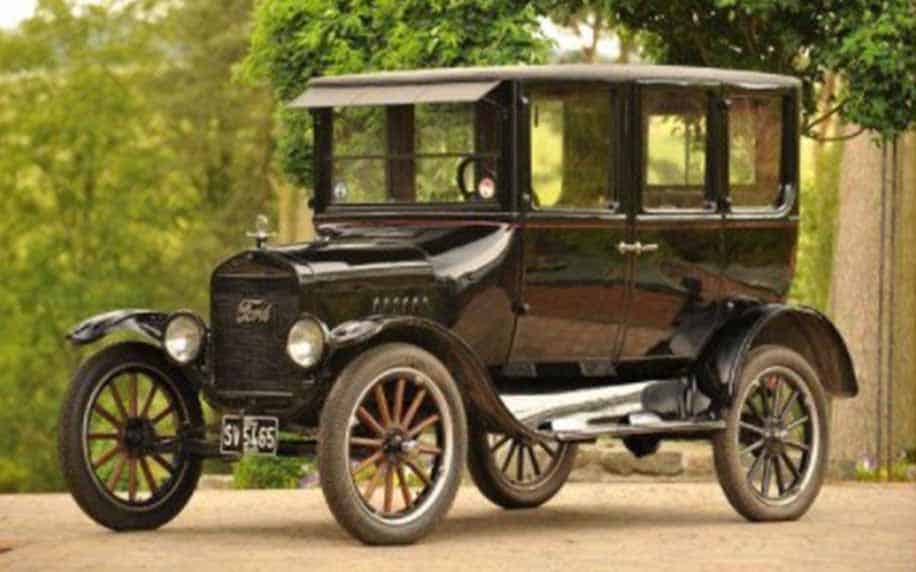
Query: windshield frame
[501,97]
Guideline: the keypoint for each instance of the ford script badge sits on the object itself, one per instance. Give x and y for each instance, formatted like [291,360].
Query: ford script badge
[253,310]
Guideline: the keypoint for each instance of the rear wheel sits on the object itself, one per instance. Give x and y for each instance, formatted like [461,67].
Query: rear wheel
[518,472]
[771,458]
[124,404]
[391,445]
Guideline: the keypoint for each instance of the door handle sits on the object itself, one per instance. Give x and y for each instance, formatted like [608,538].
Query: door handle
[628,247]
[635,247]
[647,248]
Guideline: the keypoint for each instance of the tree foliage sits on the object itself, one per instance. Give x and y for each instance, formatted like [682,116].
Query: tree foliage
[295,40]
[869,42]
[125,145]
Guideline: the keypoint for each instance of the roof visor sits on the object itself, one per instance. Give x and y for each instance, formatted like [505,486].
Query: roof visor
[403,94]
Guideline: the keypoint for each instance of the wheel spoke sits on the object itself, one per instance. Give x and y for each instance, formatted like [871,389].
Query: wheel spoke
[534,462]
[371,460]
[423,425]
[775,391]
[414,406]
[365,442]
[520,465]
[163,414]
[499,444]
[132,480]
[752,409]
[752,447]
[509,456]
[375,482]
[399,400]
[405,489]
[106,457]
[796,445]
[162,462]
[753,469]
[779,480]
[367,419]
[107,415]
[419,472]
[148,475]
[551,452]
[796,423]
[789,402]
[429,449]
[144,411]
[765,484]
[382,401]
[119,403]
[389,489]
[764,399]
[787,461]
[116,474]
[102,436]
[133,394]
[750,427]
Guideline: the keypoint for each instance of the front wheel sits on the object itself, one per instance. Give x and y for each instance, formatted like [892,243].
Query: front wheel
[392,444]
[771,458]
[124,404]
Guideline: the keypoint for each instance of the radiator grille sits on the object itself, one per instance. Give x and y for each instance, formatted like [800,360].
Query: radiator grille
[250,355]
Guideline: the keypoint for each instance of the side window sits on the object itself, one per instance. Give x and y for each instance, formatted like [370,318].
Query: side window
[571,147]
[674,149]
[754,150]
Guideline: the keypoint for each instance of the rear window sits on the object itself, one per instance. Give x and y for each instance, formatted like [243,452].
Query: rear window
[754,151]
[674,150]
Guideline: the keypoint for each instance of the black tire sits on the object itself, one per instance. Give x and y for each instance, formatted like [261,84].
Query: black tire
[498,485]
[383,367]
[98,499]
[774,378]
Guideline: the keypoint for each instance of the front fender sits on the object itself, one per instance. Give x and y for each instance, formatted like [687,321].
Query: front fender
[469,372]
[803,329]
[148,323]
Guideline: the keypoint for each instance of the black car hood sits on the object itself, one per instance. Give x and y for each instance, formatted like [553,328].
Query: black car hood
[454,254]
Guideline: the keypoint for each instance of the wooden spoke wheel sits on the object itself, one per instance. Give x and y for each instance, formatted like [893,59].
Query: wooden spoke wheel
[392,472]
[119,438]
[771,458]
[518,472]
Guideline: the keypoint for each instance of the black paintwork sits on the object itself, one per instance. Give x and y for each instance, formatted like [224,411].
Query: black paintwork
[509,290]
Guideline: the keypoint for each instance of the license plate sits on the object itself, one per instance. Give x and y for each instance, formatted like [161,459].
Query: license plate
[249,435]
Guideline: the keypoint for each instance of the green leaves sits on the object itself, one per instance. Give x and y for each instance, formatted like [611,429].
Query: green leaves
[296,40]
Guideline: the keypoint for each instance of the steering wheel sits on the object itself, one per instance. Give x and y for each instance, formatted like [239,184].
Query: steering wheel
[472,195]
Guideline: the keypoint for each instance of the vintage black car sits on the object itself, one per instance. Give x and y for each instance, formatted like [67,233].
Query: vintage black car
[510,261]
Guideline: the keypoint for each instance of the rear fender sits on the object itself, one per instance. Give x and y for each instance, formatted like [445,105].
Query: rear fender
[147,323]
[800,328]
[482,400]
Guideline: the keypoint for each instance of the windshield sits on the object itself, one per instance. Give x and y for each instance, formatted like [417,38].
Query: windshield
[415,153]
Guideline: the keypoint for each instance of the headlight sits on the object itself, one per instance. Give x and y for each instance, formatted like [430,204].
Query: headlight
[306,342]
[184,337]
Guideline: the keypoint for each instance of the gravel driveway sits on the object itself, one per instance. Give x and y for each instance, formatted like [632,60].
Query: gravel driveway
[642,526]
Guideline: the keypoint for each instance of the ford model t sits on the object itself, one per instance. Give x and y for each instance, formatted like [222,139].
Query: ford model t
[509,262]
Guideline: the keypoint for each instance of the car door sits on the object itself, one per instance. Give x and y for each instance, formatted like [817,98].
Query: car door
[573,283]
[677,242]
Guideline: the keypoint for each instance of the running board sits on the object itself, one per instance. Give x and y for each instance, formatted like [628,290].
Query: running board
[660,428]
[657,407]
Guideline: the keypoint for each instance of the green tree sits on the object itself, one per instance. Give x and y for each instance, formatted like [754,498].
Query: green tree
[295,40]
[129,158]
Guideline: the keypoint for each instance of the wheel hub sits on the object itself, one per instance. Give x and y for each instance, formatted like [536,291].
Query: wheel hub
[138,436]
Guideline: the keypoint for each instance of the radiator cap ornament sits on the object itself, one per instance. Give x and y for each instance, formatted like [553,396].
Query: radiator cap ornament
[261,232]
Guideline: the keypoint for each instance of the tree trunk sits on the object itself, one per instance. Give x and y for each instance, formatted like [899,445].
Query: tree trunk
[860,426]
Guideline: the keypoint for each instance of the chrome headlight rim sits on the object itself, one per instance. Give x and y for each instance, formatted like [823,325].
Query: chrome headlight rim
[203,332]
[324,336]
